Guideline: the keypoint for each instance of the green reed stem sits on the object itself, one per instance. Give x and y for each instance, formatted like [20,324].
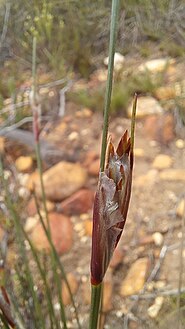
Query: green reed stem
[108,92]
[96,292]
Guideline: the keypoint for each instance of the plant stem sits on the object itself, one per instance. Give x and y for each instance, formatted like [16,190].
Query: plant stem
[95,305]
[108,92]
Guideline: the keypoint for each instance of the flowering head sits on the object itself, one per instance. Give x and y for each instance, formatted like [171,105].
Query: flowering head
[111,205]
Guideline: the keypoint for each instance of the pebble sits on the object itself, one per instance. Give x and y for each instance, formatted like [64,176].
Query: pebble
[154,309]
[24,164]
[162,161]
[180,208]
[146,105]
[180,144]
[173,174]
[135,277]
[156,65]
[158,239]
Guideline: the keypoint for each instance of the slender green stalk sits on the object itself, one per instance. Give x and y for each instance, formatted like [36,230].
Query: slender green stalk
[96,292]
[113,34]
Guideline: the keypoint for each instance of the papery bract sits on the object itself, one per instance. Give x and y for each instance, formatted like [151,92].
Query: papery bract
[111,206]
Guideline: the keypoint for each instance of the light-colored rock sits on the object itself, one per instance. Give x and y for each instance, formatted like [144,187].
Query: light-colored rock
[117,258]
[160,128]
[73,136]
[2,145]
[78,203]
[94,168]
[180,144]
[165,93]
[158,238]
[150,178]
[145,106]
[135,278]
[139,153]
[84,113]
[61,232]
[88,224]
[31,222]
[154,309]
[181,208]
[118,61]
[62,180]
[156,65]
[162,161]
[24,164]
[173,174]
[73,283]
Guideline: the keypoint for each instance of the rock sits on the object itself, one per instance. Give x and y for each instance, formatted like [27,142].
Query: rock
[180,144]
[165,93]
[147,239]
[1,233]
[32,180]
[139,153]
[31,222]
[61,232]
[73,136]
[62,180]
[24,164]
[160,128]
[117,258]
[146,106]
[90,157]
[84,113]
[118,61]
[154,309]
[32,209]
[173,174]
[88,225]
[180,208]
[162,161]
[135,278]
[150,178]
[2,145]
[78,203]
[156,65]
[94,168]
[158,239]
[107,292]
[73,283]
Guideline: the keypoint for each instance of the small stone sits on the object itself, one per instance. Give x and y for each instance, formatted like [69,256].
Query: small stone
[107,292]
[160,284]
[158,239]
[148,179]
[117,258]
[94,168]
[154,309]
[62,180]
[24,164]
[61,232]
[23,192]
[181,208]
[160,128]
[32,180]
[32,209]
[88,224]
[78,203]
[165,93]
[146,106]
[180,144]
[84,113]
[73,136]
[31,222]
[135,278]
[118,61]
[156,65]
[172,175]
[2,145]
[139,153]
[147,239]
[73,283]
[162,161]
